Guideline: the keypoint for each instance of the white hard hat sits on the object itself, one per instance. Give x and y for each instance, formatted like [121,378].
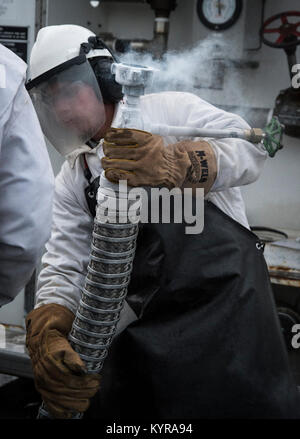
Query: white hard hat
[60,75]
[57,44]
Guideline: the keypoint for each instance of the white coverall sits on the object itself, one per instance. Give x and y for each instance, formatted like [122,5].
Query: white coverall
[26,180]
[65,263]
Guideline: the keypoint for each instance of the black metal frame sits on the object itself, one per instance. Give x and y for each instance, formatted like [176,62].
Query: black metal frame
[15,363]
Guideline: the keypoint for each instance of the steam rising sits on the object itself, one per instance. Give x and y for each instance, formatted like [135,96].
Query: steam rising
[205,70]
[186,70]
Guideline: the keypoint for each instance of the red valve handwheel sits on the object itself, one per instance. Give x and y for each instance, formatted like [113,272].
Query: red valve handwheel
[286,29]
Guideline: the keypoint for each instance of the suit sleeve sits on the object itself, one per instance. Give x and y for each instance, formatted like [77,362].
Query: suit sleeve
[26,191]
[239,162]
[64,265]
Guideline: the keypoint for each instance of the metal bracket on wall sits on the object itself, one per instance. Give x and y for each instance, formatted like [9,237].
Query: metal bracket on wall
[218,67]
[41,12]
[29,294]
[15,363]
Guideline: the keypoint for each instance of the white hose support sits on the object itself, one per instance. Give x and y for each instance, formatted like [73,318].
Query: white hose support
[252,135]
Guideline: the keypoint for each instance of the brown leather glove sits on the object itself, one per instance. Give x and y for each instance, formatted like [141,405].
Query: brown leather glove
[143,160]
[58,370]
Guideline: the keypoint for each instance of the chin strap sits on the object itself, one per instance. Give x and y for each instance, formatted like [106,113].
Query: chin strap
[93,43]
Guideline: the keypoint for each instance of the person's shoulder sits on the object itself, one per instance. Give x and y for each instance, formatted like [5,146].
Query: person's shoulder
[71,177]
[13,64]
[171,107]
[171,97]
[168,94]
[12,76]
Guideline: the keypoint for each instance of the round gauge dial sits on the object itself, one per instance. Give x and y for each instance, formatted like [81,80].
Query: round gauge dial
[219,14]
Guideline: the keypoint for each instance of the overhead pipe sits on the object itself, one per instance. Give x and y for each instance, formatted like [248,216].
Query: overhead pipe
[159,44]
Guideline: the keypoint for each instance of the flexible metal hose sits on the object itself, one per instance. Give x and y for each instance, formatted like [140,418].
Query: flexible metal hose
[105,288]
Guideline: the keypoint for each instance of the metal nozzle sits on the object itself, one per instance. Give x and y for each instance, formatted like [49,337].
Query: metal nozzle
[255,135]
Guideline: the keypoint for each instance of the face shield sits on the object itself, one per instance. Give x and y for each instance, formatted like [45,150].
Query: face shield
[69,104]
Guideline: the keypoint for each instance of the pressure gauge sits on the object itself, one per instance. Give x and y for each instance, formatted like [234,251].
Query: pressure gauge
[219,14]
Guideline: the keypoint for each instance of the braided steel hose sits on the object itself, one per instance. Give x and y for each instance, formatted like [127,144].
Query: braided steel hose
[108,275]
[105,289]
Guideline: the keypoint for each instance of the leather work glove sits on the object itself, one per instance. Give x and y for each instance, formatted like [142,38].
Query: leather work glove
[142,159]
[59,372]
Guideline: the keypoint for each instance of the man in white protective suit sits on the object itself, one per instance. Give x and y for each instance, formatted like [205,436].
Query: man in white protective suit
[26,180]
[198,335]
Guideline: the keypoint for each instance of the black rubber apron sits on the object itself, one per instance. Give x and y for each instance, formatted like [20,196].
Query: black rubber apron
[207,343]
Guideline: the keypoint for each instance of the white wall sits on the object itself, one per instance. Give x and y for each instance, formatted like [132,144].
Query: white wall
[77,12]
[274,200]
[19,13]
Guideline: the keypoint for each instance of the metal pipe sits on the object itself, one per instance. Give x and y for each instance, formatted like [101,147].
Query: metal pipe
[255,135]
[270,137]
[159,44]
